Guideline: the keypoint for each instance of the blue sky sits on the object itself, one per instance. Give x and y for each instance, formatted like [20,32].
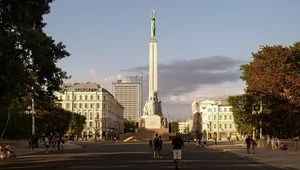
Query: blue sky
[106,37]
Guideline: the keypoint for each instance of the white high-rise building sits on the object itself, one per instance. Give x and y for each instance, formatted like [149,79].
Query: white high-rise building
[129,93]
[217,119]
[104,114]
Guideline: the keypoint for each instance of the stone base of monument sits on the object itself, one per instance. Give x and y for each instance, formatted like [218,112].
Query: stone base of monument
[144,134]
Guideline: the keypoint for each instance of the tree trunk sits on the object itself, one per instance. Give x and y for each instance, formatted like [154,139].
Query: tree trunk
[7,122]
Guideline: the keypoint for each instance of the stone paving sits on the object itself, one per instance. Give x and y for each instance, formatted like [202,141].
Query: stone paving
[289,159]
[137,155]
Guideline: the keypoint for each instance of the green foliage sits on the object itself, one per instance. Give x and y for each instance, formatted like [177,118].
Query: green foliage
[129,126]
[77,124]
[174,127]
[274,78]
[28,58]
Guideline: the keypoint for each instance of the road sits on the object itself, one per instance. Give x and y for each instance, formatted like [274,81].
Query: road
[128,156]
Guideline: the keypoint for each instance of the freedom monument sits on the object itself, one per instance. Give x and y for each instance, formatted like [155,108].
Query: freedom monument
[152,113]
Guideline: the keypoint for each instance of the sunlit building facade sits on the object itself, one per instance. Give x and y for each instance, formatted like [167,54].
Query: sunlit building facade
[104,114]
[129,93]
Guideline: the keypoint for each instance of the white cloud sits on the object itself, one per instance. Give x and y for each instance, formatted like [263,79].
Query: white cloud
[208,91]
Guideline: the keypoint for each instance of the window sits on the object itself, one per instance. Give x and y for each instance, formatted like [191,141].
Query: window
[85,105]
[97,105]
[230,109]
[209,109]
[80,105]
[98,97]
[74,105]
[103,97]
[215,109]
[103,105]
[220,117]
[91,105]
[230,126]
[68,105]
[225,117]
[215,126]
[220,126]
[215,117]
[91,124]
[91,97]
[68,97]
[225,126]
[74,97]
[80,97]
[230,117]
[91,115]
[85,97]
[60,97]
[225,109]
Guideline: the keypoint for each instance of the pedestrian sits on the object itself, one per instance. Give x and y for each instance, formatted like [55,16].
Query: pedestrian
[160,146]
[47,143]
[254,144]
[150,143]
[156,147]
[248,144]
[178,147]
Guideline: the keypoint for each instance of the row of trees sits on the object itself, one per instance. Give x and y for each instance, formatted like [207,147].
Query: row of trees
[273,81]
[28,58]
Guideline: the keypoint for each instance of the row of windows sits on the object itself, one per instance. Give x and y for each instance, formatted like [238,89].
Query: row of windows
[81,97]
[220,109]
[221,116]
[221,126]
[84,105]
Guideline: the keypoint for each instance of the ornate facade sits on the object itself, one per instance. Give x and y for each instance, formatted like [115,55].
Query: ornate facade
[104,114]
[217,119]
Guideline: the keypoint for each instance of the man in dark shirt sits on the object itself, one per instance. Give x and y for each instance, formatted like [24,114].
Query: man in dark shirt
[178,147]
[248,141]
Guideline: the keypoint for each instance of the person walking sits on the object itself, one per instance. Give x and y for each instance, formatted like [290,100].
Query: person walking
[248,143]
[177,147]
[150,143]
[47,143]
[156,147]
[160,146]
[254,144]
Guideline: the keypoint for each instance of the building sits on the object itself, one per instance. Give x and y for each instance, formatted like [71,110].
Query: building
[104,114]
[183,127]
[217,119]
[129,93]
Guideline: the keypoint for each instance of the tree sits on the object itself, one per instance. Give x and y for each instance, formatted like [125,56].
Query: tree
[274,78]
[241,113]
[77,124]
[129,126]
[28,56]
[174,127]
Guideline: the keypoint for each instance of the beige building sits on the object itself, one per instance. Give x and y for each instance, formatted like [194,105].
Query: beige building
[104,114]
[129,93]
[217,119]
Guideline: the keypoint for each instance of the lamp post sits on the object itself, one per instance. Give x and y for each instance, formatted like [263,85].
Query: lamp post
[218,130]
[260,123]
[30,110]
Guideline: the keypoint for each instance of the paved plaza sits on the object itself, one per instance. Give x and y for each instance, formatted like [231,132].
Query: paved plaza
[117,156]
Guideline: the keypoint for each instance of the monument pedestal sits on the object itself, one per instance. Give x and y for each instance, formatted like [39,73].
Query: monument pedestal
[152,121]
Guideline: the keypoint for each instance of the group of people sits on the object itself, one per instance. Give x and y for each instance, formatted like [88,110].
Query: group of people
[177,148]
[55,143]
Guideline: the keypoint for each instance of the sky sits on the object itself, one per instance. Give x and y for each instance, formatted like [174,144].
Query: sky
[201,44]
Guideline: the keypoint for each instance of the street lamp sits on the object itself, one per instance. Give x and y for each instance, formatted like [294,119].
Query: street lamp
[30,110]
